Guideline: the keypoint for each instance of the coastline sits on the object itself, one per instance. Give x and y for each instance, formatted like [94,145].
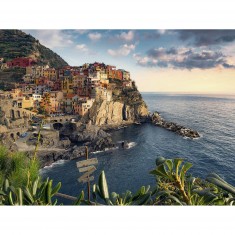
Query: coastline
[49,156]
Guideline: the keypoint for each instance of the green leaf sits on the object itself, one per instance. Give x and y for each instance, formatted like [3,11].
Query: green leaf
[153,172]
[127,197]
[10,198]
[56,189]
[142,190]
[175,199]
[6,185]
[214,175]
[161,171]
[28,195]
[97,190]
[94,192]
[48,191]
[55,202]
[160,160]
[2,193]
[80,198]
[142,200]
[221,183]
[184,169]
[103,186]
[138,193]
[20,196]
[169,164]
[177,163]
[35,186]
[114,195]
[147,188]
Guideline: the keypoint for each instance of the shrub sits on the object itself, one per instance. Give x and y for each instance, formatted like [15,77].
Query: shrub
[17,167]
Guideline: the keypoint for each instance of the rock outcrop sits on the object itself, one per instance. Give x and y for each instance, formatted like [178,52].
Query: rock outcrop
[126,106]
[7,141]
[91,135]
[47,139]
[171,126]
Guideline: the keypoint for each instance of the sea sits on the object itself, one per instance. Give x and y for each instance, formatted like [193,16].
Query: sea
[213,116]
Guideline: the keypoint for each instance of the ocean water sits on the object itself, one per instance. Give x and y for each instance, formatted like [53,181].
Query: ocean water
[128,169]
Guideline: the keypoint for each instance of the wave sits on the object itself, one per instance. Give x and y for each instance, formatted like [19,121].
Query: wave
[59,162]
[105,150]
[97,152]
[131,145]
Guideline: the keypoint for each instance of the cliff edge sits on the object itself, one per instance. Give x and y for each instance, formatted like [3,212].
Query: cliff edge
[118,106]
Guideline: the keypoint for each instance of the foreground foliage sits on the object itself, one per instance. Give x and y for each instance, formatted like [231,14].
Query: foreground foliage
[17,167]
[176,187]
[20,184]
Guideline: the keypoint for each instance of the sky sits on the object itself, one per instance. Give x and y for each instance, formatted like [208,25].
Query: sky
[178,61]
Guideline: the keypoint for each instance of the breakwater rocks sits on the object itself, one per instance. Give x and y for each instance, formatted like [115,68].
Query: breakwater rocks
[47,157]
[171,126]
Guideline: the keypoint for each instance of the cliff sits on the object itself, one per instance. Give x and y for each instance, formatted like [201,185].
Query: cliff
[15,43]
[125,106]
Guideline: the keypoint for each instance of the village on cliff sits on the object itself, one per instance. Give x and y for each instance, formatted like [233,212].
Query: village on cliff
[49,92]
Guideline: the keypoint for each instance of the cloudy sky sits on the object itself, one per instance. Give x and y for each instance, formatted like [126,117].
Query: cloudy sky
[188,61]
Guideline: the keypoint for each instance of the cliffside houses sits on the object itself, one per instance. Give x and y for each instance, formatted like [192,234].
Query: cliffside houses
[71,89]
[22,62]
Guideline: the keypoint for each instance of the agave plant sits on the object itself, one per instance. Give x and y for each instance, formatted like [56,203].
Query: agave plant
[228,193]
[141,197]
[34,193]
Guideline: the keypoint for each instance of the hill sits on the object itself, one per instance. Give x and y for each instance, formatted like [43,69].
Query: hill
[15,43]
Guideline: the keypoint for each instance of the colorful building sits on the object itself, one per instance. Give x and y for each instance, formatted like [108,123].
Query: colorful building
[81,106]
[21,62]
[67,85]
[50,73]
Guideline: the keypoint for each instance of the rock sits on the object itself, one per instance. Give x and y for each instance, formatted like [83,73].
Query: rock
[125,106]
[101,144]
[78,152]
[47,157]
[7,141]
[171,126]
[47,139]
[64,143]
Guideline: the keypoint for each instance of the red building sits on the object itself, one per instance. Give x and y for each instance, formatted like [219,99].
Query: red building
[21,62]
[119,75]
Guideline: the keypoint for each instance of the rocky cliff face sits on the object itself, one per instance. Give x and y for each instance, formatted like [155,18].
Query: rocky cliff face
[125,107]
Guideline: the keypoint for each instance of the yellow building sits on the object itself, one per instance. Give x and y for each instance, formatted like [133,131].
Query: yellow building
[23,102]
[50,73]
[67,85]
[27,102]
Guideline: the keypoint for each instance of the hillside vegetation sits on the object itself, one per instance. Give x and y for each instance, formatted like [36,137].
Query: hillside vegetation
[15,43]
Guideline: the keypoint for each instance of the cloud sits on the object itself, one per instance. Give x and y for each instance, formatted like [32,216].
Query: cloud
[207,37]
[126,36]
[183,58]
[81,31]
[95,36]
[82,47]
[52,38]
[123,50]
